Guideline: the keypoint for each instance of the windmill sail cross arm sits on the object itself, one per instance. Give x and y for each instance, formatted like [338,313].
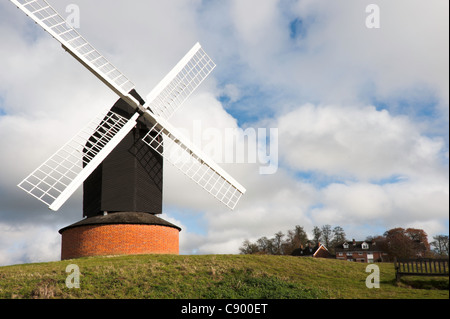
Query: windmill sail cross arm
[60,176]
[185,156]
[51,21]
[180,82]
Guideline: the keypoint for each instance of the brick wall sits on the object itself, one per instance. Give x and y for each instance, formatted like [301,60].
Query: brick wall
[119,239]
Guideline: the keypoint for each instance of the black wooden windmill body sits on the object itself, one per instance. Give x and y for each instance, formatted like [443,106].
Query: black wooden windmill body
[118,157]
[130,178]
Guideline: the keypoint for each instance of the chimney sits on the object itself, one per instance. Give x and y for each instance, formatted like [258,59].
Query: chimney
[354,242]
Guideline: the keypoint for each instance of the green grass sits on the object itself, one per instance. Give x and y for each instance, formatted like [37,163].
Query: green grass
[213,277]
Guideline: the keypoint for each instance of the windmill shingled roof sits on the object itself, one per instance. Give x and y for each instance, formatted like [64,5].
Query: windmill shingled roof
[122,218]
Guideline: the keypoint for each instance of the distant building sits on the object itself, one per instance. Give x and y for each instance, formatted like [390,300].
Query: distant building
[311,250]
[360,251]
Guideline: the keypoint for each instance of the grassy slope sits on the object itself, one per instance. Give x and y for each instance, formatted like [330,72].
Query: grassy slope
[210,276]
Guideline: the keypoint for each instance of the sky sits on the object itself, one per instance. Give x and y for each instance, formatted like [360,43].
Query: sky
[360,115]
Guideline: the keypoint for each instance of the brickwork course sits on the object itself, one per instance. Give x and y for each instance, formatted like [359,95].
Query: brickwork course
[119,234]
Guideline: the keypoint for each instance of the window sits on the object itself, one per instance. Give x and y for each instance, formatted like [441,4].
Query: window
[349,253]
[345,245]
[365,245]
[360,253]
[341,254]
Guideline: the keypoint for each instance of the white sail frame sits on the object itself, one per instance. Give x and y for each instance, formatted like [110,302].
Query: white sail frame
[60,176]
[180,82]
[194,163]
[51,21]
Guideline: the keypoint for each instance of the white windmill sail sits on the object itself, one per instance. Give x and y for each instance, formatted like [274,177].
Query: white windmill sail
[52,22]
[180,82]
[190,160]
[60,176]
[163,101]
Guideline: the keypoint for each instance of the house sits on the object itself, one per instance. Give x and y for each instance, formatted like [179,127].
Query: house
[310,250]
[360,251]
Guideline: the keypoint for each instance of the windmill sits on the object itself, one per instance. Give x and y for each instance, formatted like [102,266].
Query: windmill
[118,156]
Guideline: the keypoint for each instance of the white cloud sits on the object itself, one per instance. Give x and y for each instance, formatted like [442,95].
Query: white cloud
[256,22]
[339,59]
[402,202]
[27,243]
[232,92]
[357,142]
[431,227]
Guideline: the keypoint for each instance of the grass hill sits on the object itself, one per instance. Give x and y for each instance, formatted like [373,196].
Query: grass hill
[212,276]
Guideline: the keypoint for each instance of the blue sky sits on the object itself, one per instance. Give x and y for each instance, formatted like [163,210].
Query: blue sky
[362,114]
[2,111]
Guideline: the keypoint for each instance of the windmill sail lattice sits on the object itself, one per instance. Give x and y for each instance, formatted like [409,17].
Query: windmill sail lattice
[52,22]
[179,84]
[197,166]
[56,180]
[58,177]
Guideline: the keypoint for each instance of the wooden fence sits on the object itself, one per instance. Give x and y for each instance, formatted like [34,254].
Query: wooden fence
[421,267]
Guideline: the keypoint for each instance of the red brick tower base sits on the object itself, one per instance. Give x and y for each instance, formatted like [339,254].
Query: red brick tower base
[124,233]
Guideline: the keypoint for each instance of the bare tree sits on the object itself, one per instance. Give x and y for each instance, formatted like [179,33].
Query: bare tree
[338,235]
[440,245]
[248,248]
[265,245]
[338,238]
[317,233]
[326,235]
[294,239]
[278,241]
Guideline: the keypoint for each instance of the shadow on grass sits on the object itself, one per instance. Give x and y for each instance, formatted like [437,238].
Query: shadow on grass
[433,283]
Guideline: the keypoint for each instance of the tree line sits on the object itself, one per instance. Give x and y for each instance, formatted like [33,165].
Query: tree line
[284,244]
[397,242]
[412,243]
